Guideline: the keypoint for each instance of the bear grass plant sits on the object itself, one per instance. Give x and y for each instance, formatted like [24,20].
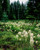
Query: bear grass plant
[8,35]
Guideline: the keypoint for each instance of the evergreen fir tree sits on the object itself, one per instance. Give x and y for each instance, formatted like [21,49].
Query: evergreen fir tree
[0,9]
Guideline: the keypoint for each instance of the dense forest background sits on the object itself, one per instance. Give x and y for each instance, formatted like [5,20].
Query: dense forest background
[14,11]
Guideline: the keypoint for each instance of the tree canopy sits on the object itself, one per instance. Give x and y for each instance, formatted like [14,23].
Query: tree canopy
[16,10]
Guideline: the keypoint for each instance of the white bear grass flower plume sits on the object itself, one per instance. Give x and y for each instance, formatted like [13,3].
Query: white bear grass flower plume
[25,33]
[31,38]
[38,25]
[38,35]
[22,35]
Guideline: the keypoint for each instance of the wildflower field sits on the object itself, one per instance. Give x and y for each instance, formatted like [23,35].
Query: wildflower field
[20,35]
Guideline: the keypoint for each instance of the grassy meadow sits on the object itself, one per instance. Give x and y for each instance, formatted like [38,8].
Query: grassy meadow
[20,35]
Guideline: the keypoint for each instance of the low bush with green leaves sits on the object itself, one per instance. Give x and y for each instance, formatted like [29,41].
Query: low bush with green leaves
[4,16]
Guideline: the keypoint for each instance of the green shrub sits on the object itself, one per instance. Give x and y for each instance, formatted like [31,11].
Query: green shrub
[4,16]
[14,17]
[7,38]
[30,17]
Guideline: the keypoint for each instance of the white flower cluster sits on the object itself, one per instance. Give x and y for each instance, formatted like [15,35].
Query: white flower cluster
[38,25]
[36,41]
[19,24]
[31,38]
[38,35]
[22,35]
[37,29]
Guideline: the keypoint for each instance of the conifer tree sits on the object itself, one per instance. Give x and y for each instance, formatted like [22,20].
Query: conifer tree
[6,6]
[33,8]
[0,9]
